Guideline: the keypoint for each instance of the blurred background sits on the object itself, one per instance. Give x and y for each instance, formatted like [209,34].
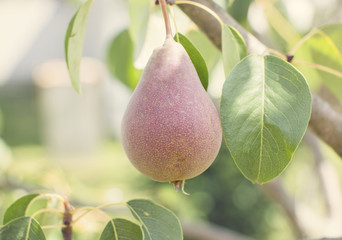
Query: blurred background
[55,140]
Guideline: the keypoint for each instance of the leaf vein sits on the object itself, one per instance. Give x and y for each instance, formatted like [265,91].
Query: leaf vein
[262,115]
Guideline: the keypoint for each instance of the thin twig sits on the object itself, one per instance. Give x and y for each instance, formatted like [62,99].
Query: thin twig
[89,209]
[319,67]
[47,210]
[304,39]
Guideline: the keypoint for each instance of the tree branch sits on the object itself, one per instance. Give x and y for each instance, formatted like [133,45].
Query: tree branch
[328,178]
[210,26]
[325,121]
[67,220]
[324,239]
[205,231]
[305,220]
[277,193]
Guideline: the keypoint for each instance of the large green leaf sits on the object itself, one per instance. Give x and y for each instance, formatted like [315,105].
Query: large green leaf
[18,208]
[157,222]
[196,59]
[120,60]
[120,229]
[73,44]
[139,12]
[24,228]
[265,109]
[233,48]
[323,48]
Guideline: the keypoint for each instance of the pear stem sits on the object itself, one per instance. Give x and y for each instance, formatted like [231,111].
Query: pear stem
[174,21]
[166,18]
[178,183]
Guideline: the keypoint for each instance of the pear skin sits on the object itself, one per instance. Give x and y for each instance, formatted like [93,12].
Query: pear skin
[171,130]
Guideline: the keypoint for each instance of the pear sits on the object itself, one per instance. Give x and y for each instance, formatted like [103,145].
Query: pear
[171,130]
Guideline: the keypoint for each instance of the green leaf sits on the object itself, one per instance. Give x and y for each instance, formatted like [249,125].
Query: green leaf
[18,208]
[24,228]
[196,59]
[157,221]
[239,10]
[323,48]
[229,3]
[265,110]
[122,229]
[139,12]
[120,60]
[240,42]
[207,49]
[74,39]
[233,48]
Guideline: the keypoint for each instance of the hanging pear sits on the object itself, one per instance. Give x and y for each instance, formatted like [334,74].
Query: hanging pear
[171,130]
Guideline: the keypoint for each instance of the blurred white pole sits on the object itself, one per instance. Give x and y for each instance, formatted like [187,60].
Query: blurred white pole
[72,123]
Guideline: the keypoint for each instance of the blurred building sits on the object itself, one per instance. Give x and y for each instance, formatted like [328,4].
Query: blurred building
[33,34]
